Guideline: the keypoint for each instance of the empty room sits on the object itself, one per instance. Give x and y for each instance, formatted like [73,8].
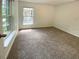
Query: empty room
[39,29]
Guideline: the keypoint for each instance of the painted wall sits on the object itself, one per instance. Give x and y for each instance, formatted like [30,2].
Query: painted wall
[67,18]
[43,14]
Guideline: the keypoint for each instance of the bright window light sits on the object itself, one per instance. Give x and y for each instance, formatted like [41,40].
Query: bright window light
[28,16]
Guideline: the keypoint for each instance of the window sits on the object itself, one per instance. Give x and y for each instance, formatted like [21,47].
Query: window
[8,20]
[5,15]
[28,16]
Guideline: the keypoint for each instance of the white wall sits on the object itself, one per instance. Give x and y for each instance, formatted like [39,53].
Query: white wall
[44,14]
[67,18]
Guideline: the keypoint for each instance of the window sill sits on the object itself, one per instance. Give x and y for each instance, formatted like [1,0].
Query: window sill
[8,39]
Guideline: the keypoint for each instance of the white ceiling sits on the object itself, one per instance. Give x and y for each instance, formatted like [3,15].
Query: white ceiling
[55,2]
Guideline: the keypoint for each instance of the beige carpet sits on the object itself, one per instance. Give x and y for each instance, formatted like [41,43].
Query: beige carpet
[45,43]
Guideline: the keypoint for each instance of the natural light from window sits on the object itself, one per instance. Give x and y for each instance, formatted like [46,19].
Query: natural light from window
[28,14]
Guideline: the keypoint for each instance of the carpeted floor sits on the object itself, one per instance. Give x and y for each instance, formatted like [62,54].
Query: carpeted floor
[45,43]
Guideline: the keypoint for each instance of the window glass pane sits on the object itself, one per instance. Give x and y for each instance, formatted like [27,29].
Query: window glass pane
[28,12]
[28,20]
[6,16]
[3,7]
[27,16]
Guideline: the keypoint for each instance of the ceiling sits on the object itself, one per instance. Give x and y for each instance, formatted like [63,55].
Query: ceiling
[54,2]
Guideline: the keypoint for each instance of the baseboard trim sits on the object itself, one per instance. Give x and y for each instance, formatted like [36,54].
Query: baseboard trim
[66,32]
[50,27]
[34,28]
